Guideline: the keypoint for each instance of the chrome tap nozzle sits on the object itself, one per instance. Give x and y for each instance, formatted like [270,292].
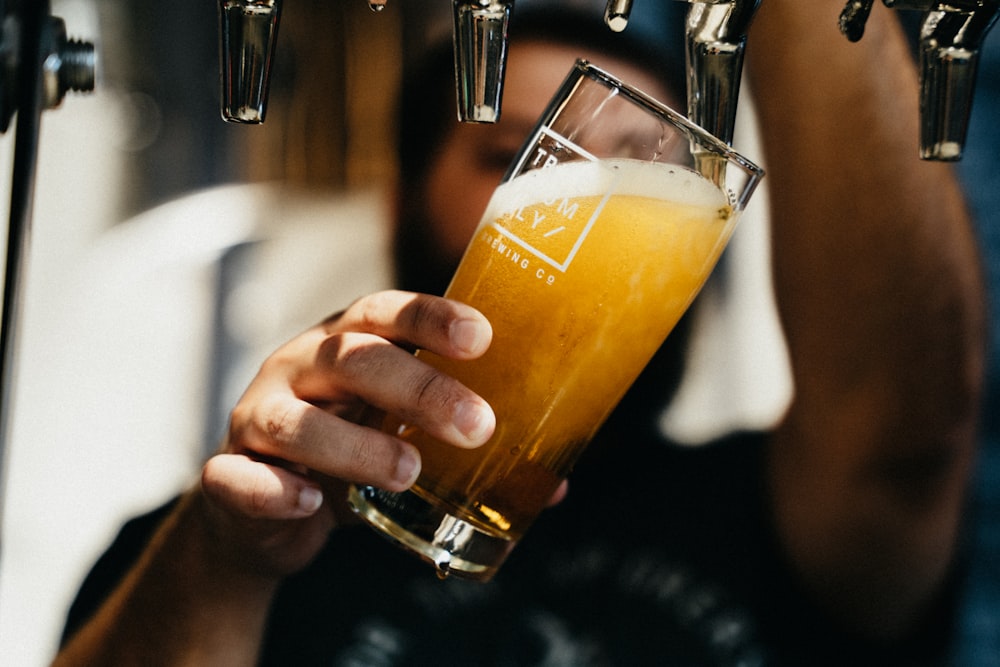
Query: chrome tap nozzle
[951,37]
[716,37]
[617,13]
[480,37]
[248,31]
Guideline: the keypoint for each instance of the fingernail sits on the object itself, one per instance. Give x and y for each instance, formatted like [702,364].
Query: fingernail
[310,499]
[469,336]
[475,421]
[408,465]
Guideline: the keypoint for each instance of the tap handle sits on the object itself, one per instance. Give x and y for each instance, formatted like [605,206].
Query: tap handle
[716,36]
[248,33]
[480,57]
[950,42]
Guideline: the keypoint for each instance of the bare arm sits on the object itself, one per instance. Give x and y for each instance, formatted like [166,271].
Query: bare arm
[179,604]
[201,592]
[878,285]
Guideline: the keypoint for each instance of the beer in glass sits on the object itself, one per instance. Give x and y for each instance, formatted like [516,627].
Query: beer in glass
[603,231]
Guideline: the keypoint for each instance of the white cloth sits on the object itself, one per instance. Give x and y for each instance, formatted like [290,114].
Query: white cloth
[738,373]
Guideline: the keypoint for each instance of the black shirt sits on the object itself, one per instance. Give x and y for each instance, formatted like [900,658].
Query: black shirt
[660,555]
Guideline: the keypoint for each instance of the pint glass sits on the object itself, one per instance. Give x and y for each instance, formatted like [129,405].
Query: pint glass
[602,232]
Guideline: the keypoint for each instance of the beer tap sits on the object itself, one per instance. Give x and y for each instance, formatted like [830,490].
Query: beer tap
[480,36]
[617,13]
[715,36]
[951,37]
[249,33]
[715,40]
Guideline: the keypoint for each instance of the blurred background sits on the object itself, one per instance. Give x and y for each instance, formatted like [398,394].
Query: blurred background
[172,251]
[140,191]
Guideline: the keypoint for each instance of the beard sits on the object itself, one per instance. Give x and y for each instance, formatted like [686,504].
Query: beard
[418,262]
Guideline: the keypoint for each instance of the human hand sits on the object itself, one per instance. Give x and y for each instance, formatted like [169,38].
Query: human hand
[305,425]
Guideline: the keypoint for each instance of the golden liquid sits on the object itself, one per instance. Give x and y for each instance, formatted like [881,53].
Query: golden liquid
[566,344]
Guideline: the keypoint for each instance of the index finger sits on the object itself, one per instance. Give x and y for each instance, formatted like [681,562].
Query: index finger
[443,326]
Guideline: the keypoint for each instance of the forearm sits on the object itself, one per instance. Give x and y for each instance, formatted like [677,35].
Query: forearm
[878,285]
[182,604]
[268,501]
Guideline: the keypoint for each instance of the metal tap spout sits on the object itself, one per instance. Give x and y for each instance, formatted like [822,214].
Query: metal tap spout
[951,37]
[480,57]
[617,13]
[716,36]
[248,34]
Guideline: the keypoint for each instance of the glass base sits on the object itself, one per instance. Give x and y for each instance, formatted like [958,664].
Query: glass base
[450,544]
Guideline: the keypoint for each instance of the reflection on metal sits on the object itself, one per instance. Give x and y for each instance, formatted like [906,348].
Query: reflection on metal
[480,36]
[716,38]
[617,13]
[248,38]
[951,37]
[248,34]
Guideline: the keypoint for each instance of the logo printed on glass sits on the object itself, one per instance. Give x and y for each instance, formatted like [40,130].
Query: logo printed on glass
[553,230]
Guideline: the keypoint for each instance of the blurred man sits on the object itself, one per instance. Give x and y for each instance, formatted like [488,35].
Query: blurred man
[831,539]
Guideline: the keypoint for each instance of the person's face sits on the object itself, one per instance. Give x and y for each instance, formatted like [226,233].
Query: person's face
[474,158]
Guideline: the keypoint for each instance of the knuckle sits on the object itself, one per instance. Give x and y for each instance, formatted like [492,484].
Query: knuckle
[347,355]
[369,312]
[423,313]
[282,423]
[266,424]
[362,457]
[430,389]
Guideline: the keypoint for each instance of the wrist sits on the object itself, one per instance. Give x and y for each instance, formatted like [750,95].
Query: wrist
[211,548]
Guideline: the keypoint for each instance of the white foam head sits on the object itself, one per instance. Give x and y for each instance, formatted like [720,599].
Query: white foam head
[620,176]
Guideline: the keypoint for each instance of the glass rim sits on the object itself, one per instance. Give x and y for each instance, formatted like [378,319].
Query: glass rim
[649,102]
